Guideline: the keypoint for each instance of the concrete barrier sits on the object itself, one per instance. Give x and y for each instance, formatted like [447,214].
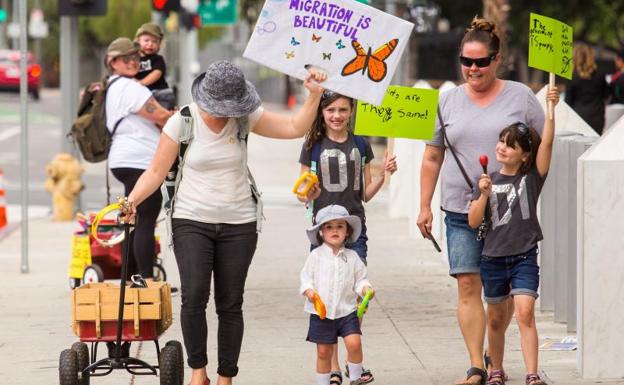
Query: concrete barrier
[613,112]
[567,122]
[600,207]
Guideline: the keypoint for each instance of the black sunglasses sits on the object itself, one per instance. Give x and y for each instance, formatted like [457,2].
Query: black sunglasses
[524,131]
[327,94]
[128,58]
[480,62]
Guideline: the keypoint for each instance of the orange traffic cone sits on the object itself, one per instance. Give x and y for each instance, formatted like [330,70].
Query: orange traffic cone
[3,216]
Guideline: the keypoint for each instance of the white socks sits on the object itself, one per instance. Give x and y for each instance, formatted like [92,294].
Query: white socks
[322,378]
[355,371]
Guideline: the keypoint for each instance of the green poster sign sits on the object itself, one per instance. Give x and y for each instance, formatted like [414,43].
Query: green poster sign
[550,45]
[405,113]
[218,12]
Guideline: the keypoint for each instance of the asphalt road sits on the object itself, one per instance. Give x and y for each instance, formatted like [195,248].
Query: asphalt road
[45,140]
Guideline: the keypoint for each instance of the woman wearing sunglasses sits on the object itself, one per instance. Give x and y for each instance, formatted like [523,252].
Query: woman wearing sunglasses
[473,115]
[134,119]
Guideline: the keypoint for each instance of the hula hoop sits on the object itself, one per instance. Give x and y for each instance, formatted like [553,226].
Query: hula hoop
[364,304]
[96,222]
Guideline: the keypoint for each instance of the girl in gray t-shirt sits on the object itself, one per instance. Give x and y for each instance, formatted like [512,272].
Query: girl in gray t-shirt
[507,200]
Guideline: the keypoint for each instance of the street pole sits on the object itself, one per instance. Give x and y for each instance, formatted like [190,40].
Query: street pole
[69,77]
[3,41]
[24,130]
[187,56]
[16,19]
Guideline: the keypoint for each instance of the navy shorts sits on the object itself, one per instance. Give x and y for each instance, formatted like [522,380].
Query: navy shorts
[464,251]
[327,331]
[512,275]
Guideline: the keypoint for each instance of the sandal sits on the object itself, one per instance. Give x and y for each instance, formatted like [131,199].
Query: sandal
[487,360]
[534,379]
[497,377]
[474,371]
[365,377]
[335,378]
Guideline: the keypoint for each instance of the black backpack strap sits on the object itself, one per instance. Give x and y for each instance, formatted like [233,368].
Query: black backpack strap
[450,147]
[110,143]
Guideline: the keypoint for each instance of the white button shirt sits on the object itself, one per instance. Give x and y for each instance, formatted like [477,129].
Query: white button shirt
[338,279]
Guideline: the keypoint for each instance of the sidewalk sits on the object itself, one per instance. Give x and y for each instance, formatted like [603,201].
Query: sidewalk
[410,332]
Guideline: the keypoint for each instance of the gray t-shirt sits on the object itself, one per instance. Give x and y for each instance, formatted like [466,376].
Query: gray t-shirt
[339,176]
[474,130]
[512,222]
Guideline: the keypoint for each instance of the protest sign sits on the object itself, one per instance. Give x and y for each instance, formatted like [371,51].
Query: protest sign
[406,112]
[358,46]
[550,45]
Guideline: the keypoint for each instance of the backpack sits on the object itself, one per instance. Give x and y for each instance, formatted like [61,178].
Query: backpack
[315,158]
[171,184]
[89,129]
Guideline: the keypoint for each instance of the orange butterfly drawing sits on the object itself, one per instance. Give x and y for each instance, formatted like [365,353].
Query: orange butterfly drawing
[371,61]
[315,38]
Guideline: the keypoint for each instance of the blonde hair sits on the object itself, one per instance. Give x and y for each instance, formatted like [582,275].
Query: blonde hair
[583,61]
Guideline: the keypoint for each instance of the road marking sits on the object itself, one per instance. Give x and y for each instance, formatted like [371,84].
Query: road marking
[9,133]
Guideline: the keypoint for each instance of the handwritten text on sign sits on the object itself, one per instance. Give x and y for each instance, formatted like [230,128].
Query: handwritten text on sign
[357,46]
[550,45]
[405,113]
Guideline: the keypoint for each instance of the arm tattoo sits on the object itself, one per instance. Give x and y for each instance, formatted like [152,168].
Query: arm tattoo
[150,107]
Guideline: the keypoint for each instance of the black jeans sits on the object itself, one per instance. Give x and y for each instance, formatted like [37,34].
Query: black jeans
[141,258]
[225,251]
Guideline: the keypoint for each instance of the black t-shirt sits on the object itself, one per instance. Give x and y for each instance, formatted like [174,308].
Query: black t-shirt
[339,172]
[513,227]
[150,63]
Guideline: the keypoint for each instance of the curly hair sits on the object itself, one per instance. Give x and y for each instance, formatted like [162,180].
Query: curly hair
[583,60]
[482,31]
[318,130]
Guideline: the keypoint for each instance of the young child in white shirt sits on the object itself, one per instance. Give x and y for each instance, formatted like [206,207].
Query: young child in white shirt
[337,275]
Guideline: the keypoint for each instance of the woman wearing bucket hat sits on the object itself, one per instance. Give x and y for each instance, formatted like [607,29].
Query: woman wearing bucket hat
[133,117]
[215,216]
[337,276]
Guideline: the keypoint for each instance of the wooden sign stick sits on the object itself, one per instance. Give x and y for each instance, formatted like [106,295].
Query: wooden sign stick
[551,85]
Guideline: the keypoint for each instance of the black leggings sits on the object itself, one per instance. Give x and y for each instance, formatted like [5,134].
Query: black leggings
[221,253]
[141,258]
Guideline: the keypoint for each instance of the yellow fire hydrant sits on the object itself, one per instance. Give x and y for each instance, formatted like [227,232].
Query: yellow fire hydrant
[64,183]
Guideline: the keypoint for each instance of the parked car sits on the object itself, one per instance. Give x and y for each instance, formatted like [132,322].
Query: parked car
[10,75]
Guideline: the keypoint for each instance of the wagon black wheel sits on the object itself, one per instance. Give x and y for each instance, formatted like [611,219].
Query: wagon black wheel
[178,346]
[168,363]
[93,273]
[159,273]
[68,368]
[74,283]
[82,351]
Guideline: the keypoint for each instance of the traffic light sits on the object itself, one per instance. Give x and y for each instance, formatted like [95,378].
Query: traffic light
[82,7]
[166,6]
[3,15]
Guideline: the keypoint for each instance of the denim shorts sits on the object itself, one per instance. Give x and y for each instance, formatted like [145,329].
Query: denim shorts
[327,331]
[512,275]
[464,251]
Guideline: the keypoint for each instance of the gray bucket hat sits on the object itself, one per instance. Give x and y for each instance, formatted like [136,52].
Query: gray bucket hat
[329,213]
[222,91]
